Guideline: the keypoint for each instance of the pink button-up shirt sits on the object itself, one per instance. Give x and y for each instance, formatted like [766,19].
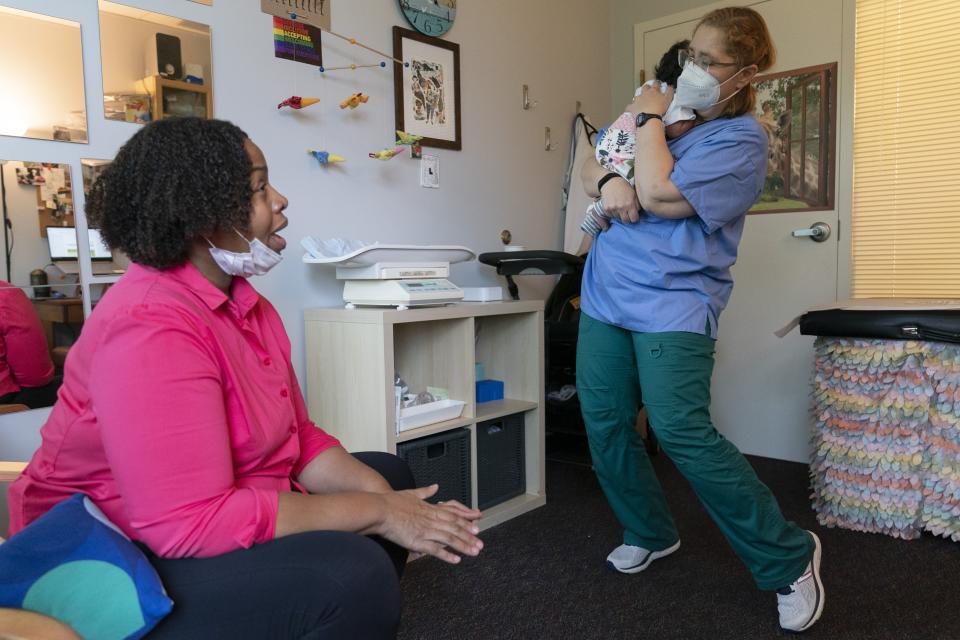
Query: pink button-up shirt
[180,416]
[24,359]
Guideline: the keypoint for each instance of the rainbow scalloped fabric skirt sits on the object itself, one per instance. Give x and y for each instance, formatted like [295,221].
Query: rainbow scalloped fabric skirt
[886,437]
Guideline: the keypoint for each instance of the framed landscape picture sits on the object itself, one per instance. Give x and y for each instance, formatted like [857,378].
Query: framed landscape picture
[798,110]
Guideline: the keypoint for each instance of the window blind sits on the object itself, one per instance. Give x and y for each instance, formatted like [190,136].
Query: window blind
[906,150]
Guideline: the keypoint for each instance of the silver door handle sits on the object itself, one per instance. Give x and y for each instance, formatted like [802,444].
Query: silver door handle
[818,232]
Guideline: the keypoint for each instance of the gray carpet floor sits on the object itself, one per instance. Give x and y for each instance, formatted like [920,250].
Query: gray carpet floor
[543,575]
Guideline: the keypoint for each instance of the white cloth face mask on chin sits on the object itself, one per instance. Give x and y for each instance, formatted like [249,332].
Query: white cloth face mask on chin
[256,262]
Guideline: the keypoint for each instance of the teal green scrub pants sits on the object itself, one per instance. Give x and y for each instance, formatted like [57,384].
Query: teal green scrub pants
[673,371]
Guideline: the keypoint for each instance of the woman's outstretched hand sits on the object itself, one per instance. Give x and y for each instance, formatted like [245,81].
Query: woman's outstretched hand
[438,530]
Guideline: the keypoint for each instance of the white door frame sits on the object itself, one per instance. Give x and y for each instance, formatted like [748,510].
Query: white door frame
[845,101]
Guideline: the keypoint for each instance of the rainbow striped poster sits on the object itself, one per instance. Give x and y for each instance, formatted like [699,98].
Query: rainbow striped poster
[297,41]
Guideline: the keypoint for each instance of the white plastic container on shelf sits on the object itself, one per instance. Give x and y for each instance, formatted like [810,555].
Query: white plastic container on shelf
[424,414]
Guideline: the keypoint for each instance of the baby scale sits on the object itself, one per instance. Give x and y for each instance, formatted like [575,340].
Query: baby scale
[391,275]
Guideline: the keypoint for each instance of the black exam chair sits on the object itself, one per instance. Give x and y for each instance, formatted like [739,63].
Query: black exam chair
[546,263]
[562,322]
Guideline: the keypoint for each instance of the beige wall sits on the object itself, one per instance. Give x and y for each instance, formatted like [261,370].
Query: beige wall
[502,179]
[40,75]
[624,14]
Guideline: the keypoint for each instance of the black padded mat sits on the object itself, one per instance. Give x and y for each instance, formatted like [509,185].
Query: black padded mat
[935,325]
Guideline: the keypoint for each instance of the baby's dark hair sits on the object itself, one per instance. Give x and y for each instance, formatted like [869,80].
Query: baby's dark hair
[176,180]
[669,69]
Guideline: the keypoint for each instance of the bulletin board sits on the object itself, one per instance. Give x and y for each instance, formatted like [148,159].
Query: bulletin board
[54,193]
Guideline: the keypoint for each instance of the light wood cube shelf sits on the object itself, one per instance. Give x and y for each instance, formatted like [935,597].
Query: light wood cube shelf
[10,471]
[352,355]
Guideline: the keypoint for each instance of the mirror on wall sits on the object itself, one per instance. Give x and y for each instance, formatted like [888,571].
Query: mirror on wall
[36,334]
[41,77]
[37,197]
[41,308]
[104,261]
[154,66]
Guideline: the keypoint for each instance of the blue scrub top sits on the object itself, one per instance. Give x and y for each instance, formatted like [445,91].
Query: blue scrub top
[674,275]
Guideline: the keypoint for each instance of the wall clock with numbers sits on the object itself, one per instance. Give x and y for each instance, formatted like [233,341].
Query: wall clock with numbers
[432,17]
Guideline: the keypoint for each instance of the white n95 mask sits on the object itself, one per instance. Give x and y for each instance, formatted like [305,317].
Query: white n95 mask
[255,262]
[675,112]
[698,90]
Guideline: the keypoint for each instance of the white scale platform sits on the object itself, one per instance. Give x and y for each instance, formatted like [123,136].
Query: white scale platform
[396,275]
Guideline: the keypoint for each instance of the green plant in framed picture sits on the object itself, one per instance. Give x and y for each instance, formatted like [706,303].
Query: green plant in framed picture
[432,17]
[798,111]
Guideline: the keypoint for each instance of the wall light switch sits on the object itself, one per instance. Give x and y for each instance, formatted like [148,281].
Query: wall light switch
[430,172]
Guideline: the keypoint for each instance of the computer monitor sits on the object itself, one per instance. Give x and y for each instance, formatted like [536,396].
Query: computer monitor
[62,242]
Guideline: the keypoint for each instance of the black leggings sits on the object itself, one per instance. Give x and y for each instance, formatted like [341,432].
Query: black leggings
[35,397]
[320,584]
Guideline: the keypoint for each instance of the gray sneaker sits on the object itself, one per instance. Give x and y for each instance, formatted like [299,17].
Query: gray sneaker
[630,559]
[801,604]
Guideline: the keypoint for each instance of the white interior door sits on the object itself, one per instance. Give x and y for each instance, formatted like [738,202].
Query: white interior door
[761,383]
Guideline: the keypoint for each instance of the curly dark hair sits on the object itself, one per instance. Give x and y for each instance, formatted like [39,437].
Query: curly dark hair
[669,69]
[174,181]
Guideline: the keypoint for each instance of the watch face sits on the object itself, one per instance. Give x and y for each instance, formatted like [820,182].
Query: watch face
[432,17]
[642,118]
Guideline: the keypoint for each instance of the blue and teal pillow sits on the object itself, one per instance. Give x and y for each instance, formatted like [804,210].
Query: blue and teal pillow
[76,566]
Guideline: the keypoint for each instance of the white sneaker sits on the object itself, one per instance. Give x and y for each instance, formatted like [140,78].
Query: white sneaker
[630,559]
[801,604]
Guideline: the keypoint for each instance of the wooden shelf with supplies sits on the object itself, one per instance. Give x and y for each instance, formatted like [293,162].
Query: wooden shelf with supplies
[175,98]
[352,355]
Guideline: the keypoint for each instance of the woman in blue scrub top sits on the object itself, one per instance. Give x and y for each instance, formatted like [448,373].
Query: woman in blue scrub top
[654,286]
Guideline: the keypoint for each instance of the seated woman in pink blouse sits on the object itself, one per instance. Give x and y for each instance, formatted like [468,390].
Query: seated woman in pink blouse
[26,370]
[181,417]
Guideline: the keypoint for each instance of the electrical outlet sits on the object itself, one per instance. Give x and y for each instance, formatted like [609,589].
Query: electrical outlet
[430,172]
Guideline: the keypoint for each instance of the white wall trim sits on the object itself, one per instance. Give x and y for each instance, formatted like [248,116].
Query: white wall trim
[844,175]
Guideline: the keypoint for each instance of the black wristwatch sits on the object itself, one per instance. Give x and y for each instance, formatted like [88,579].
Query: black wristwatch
[605,179]
[642,118]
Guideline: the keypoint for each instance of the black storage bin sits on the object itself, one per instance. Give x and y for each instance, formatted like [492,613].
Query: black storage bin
[501,468]
[443,459]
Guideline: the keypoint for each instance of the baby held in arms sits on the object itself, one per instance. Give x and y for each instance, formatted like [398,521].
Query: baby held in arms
[617,145]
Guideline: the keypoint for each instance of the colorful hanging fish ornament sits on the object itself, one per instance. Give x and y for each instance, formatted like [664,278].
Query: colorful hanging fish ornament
[296,102]
[354,101]
[386,154]
[409,139]
[325,157]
